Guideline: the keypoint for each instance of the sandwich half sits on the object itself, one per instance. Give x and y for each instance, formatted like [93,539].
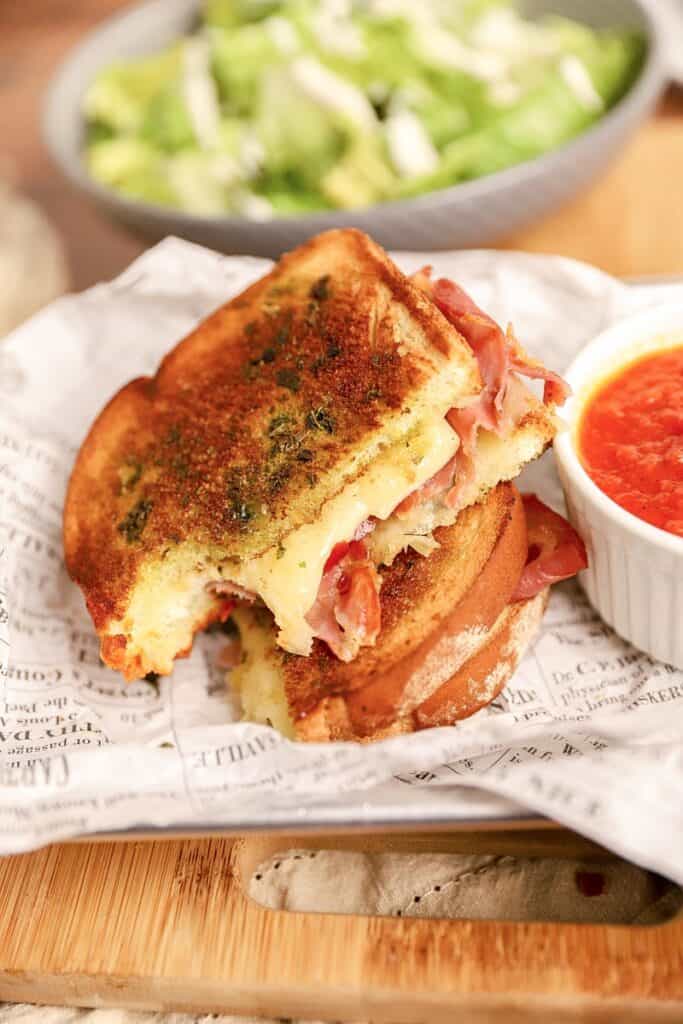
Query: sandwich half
[330,417]
[454,628]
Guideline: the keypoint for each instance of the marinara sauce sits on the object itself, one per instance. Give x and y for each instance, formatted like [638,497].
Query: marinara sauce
[631,438]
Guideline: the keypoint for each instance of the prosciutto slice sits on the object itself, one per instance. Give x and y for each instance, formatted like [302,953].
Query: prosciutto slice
[441,481]
[347,613]
[556,551]
[498,354]
[491,349]
[556,391]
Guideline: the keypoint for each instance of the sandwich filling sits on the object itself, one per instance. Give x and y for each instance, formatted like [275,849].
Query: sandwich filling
[323,581]
[311,587]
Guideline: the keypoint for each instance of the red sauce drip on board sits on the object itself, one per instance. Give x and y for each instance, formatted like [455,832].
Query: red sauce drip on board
[631,439]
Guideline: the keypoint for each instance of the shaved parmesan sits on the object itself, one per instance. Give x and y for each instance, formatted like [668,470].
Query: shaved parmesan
[410,148]
[332,92]
[283,34]
[199,91]
[575,74]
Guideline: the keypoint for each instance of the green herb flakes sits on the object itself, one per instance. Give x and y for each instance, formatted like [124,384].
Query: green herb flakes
[281,424]
[320,419]
[278,478]
[320,290]
[240,511]
[267,356]
[282,336]
[134,522]
[288,379]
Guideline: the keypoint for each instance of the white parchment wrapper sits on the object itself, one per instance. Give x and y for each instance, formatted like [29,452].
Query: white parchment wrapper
[588,732]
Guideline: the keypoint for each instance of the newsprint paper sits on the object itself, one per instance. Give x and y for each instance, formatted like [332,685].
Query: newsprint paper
[589,732]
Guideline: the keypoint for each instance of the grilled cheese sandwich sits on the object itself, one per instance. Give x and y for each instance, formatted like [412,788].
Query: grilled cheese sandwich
[270,459]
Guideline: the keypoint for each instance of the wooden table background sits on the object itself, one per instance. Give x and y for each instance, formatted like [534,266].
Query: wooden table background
[630,222]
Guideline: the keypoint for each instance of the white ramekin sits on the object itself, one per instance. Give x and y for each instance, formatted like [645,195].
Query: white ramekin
[635,574]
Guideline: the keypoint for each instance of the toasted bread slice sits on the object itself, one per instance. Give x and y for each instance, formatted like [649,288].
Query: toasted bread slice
[437,612]
[254,423]
[472,686]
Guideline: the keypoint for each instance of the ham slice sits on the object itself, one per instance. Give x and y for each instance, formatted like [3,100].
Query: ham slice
[357,608]
[440,482]
[490,346]
[347,614]
[463,477]
[498,354]
[556,551]
[556,391]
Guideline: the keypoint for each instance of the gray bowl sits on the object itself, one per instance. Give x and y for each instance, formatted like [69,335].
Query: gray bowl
[471,214]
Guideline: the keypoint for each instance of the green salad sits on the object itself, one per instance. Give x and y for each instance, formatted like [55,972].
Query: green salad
[283,107]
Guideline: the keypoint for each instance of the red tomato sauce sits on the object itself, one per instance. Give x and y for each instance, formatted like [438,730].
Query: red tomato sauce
[631,439]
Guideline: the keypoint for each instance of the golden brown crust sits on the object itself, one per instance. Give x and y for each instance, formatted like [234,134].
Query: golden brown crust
[428,607]
[257,417]
[397,689]
[473,686]
[486,674]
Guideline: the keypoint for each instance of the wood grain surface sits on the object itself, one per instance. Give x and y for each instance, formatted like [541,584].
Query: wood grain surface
[629,222]
[167,926]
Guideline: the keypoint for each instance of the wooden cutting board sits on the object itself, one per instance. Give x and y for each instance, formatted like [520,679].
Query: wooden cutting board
[167,925]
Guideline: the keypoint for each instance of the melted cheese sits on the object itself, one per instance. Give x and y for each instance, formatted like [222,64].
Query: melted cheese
[257,678]
[287,579]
